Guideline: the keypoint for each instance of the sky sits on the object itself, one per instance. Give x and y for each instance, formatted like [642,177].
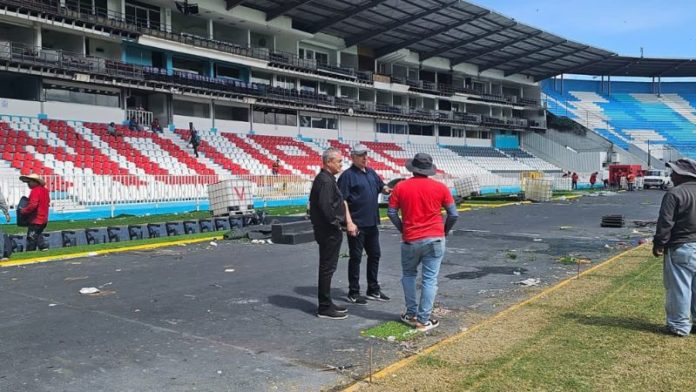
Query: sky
[663,28]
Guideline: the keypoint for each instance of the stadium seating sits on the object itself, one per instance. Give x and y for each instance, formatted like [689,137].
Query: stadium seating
[629,115]
[93,166]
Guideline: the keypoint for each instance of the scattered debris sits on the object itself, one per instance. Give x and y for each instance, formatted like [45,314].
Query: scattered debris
[213,243]
[89,290]
[529,282]
[517,273]
[52,305]
[644,223]
[538,240]
[92,254]
[565,227]
[71,278]
[344,350]
[337,368]
[106,284]
[229,270]
[137,310]
[391,338]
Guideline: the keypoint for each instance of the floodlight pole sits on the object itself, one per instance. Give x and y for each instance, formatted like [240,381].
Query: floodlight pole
[648,154]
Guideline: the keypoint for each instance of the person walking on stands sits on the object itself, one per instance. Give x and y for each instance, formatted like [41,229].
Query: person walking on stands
[361,186]
[275,169]
[36,211]
[574,180]
[195,139]
[328,213]
[420,200]
[5,210]
[675,239]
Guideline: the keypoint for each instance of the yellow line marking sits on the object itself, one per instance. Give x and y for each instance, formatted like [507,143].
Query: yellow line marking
[408,360]
[45,259]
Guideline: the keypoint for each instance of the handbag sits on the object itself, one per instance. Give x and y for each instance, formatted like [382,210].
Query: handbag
[22,220]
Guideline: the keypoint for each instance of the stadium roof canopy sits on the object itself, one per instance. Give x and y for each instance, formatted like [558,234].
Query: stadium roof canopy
[461,32]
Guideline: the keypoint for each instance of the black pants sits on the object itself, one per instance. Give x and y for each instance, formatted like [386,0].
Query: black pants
[574,185]
[329,240]
[35,237]
[195,149]
[367,239]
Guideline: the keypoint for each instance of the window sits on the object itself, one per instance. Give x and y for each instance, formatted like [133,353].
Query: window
[191,109]
[227,72]
[79,95]
[275,116]
[285,82]
[444,130]
[310,54]
[472,134]
[485,135]
[261,78]
[231,113]
[318,122]
[143,15]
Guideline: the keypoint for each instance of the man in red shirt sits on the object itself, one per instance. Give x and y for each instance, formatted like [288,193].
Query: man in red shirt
[36,211]
[593,179]
[421,200]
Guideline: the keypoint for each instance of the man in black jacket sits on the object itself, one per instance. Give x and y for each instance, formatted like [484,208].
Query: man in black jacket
[329,214]
[675,239]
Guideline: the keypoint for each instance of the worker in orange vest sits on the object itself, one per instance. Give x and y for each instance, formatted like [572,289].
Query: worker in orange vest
[631,180]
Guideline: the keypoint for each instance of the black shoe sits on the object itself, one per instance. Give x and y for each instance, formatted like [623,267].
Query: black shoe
[378,296]
[340,309]
[356,299]
[332,314]
[674,332]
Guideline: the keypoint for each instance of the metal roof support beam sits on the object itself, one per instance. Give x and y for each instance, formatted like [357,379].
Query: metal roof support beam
[519,56]
[359,38]
[287,7]
[574,69]
[460,44]
[229,4]
[622,67]
[672,68]
[345,15]
[537,63]
[475,55]
[432,33]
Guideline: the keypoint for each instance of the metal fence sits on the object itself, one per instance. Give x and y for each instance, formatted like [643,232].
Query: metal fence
[80,192]
[76,192]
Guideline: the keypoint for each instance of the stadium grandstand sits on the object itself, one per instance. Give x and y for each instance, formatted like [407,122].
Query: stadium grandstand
[265,81]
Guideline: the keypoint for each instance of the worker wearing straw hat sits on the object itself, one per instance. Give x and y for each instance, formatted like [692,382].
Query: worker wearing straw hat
[36,211]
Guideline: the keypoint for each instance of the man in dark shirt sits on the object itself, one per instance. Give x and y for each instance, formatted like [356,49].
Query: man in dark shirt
[361,186]
[675,238]
[329,214]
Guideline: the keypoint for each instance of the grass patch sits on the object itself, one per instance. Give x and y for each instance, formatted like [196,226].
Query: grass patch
[400,331]
[111,245]
[601,332]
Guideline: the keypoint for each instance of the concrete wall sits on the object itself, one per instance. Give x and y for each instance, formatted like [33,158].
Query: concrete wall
[89,113]
[232,126]
[357,128]
[182,122]
[277,130]
[16,107]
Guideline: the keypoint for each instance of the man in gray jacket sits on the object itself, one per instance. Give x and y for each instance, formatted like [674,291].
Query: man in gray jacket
[6,210]
[675,239]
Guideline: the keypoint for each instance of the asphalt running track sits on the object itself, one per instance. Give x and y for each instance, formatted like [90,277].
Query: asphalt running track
[173,319]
